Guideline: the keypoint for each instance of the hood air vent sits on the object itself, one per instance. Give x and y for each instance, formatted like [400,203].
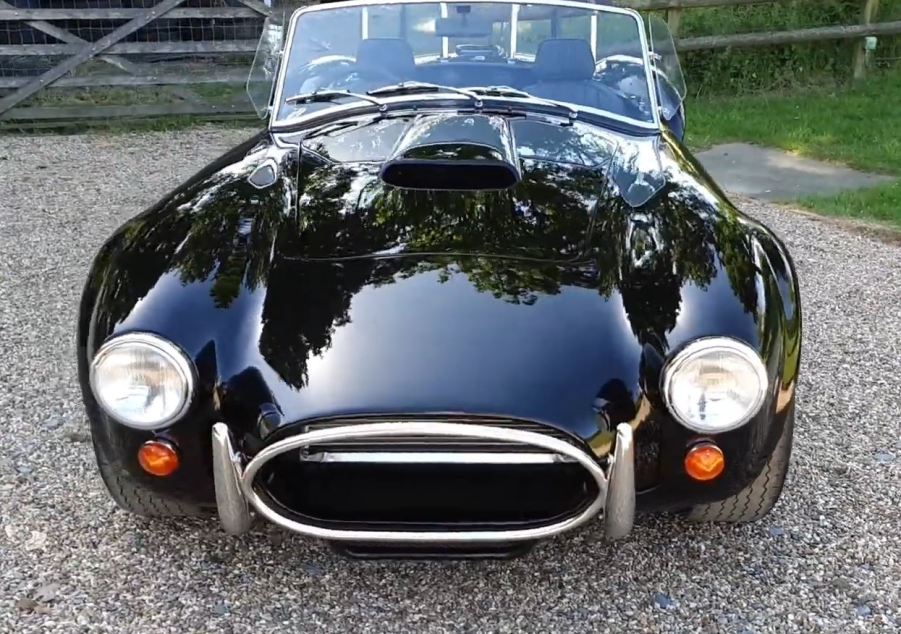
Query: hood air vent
[454,152]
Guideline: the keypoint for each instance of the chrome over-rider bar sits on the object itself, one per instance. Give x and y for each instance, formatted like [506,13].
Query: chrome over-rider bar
[236,493]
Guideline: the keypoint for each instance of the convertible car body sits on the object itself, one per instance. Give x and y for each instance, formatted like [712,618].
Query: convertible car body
[468,290]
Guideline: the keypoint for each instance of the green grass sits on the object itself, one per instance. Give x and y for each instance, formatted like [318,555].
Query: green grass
[881,204]
[145,95]
[221,94]
[165,123]
[859,126]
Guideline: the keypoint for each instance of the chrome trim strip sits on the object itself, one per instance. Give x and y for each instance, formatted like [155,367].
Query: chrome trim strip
[233,512]
[514,30]
[619,510]
[437,457]
[430,429]
[445,45]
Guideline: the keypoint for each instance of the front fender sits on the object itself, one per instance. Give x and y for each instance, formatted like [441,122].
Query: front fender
[192,268]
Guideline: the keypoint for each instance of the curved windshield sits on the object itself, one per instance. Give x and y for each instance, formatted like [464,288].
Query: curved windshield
[591,57]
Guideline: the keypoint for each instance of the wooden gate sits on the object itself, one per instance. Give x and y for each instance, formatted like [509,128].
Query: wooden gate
[184,56]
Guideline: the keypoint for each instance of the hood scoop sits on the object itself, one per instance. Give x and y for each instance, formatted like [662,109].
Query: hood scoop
[471,152]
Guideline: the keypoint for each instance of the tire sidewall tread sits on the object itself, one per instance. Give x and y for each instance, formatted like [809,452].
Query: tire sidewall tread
[757,499]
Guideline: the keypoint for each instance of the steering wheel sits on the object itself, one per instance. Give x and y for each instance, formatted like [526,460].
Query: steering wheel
[315,75]
[616,72]
[370,73]
[351,77]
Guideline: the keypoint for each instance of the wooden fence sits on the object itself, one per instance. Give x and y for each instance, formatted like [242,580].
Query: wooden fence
[175,71]
[157,49]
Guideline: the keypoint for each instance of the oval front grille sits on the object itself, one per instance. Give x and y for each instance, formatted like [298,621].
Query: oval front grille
[428,475]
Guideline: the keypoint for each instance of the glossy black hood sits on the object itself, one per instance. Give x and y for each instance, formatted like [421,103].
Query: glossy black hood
[556,300]
[421,335]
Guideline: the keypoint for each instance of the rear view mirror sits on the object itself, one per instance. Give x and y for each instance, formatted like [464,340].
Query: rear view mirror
[462,25]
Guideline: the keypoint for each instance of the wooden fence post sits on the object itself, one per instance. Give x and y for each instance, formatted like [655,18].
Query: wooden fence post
[860,52]
[674,21]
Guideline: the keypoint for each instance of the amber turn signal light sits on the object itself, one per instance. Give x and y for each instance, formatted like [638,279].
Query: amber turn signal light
[704,462]
[158,457]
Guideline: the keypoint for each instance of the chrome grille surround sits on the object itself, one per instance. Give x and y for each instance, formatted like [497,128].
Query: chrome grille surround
[237,492]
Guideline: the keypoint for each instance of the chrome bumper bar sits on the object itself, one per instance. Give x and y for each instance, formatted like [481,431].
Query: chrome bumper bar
[438,457]
[236,492]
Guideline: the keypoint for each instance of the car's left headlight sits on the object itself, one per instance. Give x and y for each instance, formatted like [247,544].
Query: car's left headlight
[715,385]
[142,380]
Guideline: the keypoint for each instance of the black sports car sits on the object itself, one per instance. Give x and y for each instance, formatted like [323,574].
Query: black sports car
[467,291]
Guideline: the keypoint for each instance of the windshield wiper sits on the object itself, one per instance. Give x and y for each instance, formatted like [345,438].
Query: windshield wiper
[475,93]
[507,91]
[421,88]
[322,96]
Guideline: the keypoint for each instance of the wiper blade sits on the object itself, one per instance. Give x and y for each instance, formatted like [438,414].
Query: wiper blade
[507,91]
[323,96]
[499,91]
[475,93]
[419,88]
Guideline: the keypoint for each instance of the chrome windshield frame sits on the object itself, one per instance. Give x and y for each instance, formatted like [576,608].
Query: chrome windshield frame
[277,125]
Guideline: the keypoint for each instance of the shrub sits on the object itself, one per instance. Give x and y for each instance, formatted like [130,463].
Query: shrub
[779,67]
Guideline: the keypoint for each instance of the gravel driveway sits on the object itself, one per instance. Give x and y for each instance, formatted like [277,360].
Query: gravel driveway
[829,557]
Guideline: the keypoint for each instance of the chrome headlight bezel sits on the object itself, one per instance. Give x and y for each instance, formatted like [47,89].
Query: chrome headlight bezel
[715,345]
[167,350]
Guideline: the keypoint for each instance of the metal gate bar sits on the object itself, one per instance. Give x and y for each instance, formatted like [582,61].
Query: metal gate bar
[88,51]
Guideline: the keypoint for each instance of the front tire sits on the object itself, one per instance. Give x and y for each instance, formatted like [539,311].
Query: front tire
[758,498]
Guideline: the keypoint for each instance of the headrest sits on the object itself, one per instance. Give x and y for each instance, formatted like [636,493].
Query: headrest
[563,60]
[388,54]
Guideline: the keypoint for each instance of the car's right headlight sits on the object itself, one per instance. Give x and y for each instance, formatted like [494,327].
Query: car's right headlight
[715,385]
[142,380]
